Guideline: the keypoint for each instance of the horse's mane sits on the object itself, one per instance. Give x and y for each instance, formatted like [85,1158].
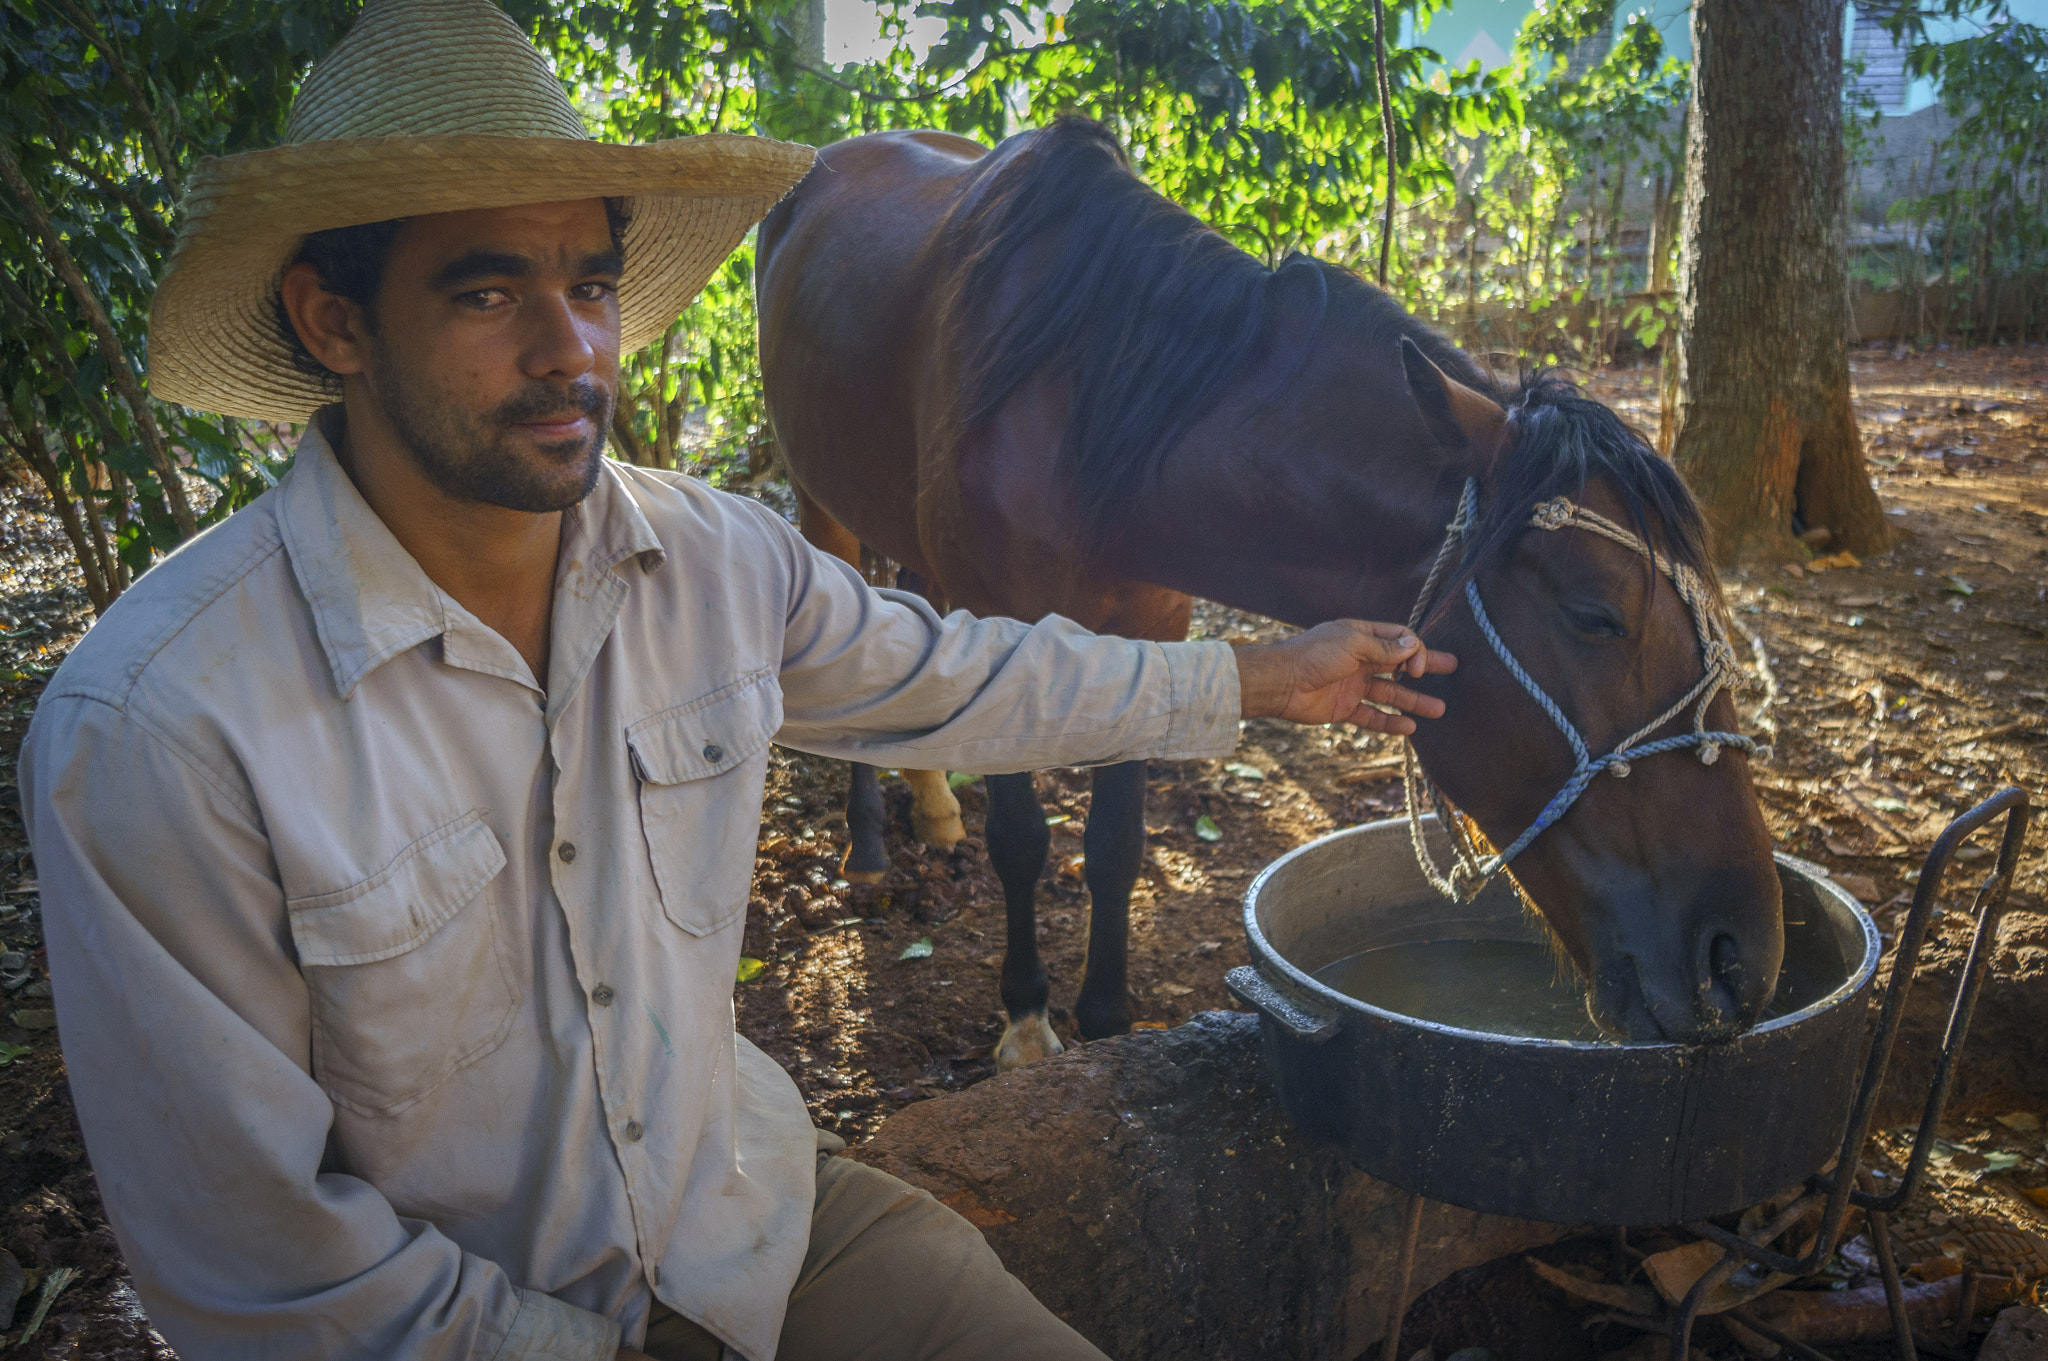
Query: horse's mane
[1564,439]
[1151,317]
[1148,314]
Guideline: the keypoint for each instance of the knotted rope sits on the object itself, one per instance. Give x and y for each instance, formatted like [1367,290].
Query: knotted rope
[1472,869]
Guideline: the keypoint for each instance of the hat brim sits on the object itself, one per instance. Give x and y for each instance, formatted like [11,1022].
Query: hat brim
[214,338]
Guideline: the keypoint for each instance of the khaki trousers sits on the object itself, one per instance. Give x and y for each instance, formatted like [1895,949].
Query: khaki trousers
[892,1275]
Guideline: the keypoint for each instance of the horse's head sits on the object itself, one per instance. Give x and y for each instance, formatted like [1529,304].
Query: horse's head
[1657,882]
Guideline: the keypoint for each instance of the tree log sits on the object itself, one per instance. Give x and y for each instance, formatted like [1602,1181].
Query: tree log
[1150,1190]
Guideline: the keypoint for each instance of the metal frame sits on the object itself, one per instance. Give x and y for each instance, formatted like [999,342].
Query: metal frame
[1839,1189]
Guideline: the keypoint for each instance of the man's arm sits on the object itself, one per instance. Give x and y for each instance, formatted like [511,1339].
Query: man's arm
[186,1037]
[879,677]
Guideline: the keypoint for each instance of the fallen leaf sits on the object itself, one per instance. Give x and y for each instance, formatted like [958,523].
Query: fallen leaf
[1055,819]
[1172,990]
[36,1019]
[1861,887]
[960,779]
[1629,1298]
[1834,560]
[1677,1270]
[1148,1025]
[10,1052]
[1994,676]
[1858,602]
[2023,1122]
[751,968]
[1837,846]
[1206,828]
[1958,586]
[921,948]
[1243,771]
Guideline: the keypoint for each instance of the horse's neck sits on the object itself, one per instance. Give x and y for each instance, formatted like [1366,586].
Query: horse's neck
[1322,501]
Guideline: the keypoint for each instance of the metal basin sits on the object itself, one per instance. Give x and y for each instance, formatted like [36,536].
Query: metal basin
[1571,1132]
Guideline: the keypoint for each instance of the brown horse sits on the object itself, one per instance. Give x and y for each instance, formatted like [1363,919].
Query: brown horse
[1041,387]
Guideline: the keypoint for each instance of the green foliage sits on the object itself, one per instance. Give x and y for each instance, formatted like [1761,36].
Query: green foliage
[1985,232]
[108,105]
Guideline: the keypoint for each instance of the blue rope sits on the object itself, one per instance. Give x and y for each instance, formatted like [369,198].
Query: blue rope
[1584,767]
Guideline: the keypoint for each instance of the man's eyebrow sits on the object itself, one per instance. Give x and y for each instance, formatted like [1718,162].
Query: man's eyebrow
[602,262]
[473,265]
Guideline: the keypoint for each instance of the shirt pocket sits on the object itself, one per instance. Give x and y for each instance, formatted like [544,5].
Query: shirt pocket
[701,773]
[407,974]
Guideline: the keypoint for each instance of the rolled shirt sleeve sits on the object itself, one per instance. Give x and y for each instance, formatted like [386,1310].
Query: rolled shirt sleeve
[877,676]
[186,1034]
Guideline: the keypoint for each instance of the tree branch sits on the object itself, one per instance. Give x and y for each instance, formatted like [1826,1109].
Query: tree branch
[166,164]
[118,370]
[145,216]
[29,444]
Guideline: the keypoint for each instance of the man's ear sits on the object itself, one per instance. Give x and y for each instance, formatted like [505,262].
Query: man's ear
[1469,428]
[330,327]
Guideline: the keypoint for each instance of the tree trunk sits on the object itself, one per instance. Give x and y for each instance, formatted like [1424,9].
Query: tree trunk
[1763,429]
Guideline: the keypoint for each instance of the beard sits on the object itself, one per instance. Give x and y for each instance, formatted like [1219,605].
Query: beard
[477,457]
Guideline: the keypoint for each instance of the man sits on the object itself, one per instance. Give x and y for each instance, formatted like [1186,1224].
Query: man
[395,835]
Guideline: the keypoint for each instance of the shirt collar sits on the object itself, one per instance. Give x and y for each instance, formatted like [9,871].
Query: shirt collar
[370,599]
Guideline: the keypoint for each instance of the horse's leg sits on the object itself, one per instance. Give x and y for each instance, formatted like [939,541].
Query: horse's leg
[1115,848]
[934,812]
[866,860]
[1017,843]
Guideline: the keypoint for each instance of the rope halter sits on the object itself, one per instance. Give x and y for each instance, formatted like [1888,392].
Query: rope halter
[1472,869]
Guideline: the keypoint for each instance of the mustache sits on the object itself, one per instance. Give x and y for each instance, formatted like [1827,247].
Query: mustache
[543,401]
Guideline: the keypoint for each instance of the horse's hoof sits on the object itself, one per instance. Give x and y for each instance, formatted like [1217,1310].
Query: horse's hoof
[856,876]
[1026,1039]
[944,832]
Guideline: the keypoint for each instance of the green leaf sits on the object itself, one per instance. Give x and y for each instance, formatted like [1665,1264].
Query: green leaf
[1243,771]
[10,1052]
[1206,828]
[1055,819]
[1957,585]
[960,779]
[921,948]
[751,968]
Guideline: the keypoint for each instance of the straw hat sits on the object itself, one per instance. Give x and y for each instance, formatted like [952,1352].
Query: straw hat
[431,106]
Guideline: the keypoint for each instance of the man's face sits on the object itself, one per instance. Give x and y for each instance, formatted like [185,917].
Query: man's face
[496,352]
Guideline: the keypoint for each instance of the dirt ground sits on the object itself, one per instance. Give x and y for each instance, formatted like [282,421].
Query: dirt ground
[1900,692]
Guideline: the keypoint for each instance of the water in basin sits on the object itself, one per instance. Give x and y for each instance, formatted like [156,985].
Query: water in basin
[1518,987]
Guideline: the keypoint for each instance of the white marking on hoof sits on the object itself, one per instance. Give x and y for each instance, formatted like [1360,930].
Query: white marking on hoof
[1026,1039]
[934,812]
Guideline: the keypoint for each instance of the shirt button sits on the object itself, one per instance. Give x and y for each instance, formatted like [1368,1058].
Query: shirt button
[602,994]
[713,752]
[633,1131]
[567,850]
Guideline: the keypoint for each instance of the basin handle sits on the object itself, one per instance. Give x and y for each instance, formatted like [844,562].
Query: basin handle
[1304,1018]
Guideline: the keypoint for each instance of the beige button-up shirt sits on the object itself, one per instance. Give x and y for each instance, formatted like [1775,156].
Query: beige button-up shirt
[396,993]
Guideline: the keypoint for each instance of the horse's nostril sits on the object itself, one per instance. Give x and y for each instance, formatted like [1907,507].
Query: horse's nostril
[1723,990]
[1727,959]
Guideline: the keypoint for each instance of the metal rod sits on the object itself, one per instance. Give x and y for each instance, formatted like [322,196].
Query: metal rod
[1770,1334]
[1894,1289]
[1988,909]
[1689,1308]
[1398,1310]
[1966,1305]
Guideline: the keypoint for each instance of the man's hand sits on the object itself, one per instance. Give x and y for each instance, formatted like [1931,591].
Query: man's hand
[1336,673]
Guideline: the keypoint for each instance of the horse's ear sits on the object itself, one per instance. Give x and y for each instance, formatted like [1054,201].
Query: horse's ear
[1467,426]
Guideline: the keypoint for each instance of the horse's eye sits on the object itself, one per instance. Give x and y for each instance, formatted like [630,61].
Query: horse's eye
[1598,620]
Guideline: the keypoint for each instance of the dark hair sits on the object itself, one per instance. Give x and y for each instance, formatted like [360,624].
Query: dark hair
[1564,439]
[350,262]
[1149,314]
